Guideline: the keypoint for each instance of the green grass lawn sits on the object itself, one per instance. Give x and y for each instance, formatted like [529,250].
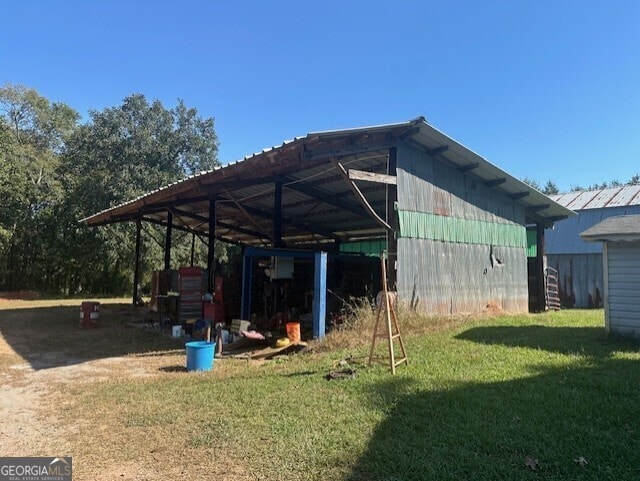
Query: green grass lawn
[478,402]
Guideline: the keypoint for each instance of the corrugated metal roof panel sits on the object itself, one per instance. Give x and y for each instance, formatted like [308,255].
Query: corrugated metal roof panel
[628,195]
[316,198]
[597,199]
[565,199]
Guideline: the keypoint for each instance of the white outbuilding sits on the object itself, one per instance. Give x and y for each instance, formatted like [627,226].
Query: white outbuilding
[620,237]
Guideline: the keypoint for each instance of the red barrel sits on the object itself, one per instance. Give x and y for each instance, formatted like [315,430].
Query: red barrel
[213,311]
[89,314]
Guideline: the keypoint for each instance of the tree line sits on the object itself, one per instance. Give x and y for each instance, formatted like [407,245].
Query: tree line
[56,169]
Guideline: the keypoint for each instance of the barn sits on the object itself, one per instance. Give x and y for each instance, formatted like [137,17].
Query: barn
[620,239]
[461,234]
[579,263]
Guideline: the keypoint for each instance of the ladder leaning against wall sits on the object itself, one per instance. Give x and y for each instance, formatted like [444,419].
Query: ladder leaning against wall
[551,291]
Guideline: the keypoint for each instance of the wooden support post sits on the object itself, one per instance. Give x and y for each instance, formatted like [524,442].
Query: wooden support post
[212,244]
[247,273]
[167,242]
[136,269]
[320,294]
[277,215]
[392,220]
[193,247]
[540,290]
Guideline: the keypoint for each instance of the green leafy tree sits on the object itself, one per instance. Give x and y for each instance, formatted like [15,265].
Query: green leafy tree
[550,188]
[32,134]
[124,152]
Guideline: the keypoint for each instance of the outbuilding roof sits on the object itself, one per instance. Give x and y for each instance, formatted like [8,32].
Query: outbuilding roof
[618,228]
[600,198]
[314,171]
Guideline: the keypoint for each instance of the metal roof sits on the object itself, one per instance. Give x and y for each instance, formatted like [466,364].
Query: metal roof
[597,199]
[618,228]
[318,204]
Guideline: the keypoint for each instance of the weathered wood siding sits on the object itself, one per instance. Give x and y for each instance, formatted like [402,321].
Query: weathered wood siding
[443,276]
[623,276]
[580,279]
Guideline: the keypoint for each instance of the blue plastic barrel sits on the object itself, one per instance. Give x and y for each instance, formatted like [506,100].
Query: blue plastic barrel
[200,355]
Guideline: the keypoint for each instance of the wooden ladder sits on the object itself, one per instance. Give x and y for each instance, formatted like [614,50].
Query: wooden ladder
[385,303]
[552,296]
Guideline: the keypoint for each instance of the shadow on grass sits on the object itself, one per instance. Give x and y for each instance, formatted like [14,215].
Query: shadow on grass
[487,431]
[590,341]
[51,337]
[300,374]
[175,368]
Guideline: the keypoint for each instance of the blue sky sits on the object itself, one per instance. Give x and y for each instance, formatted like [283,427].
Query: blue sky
[543,89]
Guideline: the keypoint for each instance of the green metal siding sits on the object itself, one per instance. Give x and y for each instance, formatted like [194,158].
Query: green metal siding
[368,247]
[532,243]
[423,225]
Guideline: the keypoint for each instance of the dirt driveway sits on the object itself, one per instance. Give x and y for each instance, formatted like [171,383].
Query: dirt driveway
[44,355]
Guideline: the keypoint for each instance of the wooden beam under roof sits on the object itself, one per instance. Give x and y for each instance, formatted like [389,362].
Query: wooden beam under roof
[175,202]
[225,225]
[349,150]
[367,176]
[182,228]
[327,198]
[410,133]
[246,212]
[302,226]
[538,208]
[437,150]
[468,167]
[361,198]
[518,195]
[495,182]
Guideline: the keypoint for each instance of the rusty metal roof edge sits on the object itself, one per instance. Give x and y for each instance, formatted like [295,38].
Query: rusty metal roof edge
[266,150]
[418,121]
[370,128]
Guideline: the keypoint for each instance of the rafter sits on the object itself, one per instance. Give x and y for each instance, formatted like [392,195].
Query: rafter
[469,167]
[361,198]
[325,197]
[495,182]
[349,150]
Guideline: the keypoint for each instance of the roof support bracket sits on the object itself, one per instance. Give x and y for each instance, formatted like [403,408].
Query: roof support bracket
[346,151]
[495,182]
[538,208]
[469,167]
[247,215]
[361,198]
[438,150]
[518,195]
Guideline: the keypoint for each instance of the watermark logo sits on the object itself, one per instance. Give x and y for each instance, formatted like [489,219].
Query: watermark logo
[35,469]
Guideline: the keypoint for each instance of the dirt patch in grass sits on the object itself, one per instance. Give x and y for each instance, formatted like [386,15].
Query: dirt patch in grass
[51,369]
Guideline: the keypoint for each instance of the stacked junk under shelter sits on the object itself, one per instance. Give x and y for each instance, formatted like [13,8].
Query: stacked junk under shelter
[312,217]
